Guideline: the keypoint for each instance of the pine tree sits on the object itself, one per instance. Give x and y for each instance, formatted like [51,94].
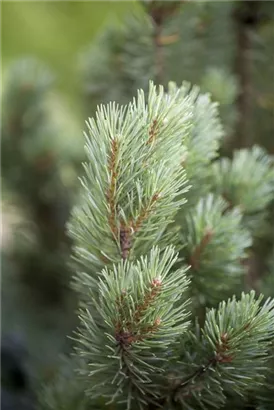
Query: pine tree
[166,232]
[141,281]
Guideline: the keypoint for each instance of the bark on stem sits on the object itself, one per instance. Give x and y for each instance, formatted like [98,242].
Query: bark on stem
[159,54]
[246,18]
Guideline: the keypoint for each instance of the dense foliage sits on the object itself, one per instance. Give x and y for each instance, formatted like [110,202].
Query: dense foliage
[171,231]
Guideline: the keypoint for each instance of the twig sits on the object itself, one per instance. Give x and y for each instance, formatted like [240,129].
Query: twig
[195,257]
[112,188]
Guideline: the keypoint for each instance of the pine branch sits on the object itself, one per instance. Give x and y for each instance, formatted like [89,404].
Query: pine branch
[132,313]
[236,338]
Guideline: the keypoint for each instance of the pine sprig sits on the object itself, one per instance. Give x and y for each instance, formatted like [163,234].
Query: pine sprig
[235,339]
[139,320]
[133,184]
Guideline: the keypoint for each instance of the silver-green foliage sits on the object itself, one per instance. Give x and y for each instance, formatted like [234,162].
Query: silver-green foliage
[133,317]
[228,355]
[203,140]
[214,246]
[134,182]
[138,324]
[247,181]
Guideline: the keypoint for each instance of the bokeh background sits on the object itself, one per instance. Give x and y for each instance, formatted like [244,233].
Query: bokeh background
[59,60]
[56,32]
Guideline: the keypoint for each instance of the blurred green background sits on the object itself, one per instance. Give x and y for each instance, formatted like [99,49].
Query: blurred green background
[56,32]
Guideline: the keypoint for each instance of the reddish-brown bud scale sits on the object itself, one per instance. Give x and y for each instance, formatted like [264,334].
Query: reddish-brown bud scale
[156,282]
